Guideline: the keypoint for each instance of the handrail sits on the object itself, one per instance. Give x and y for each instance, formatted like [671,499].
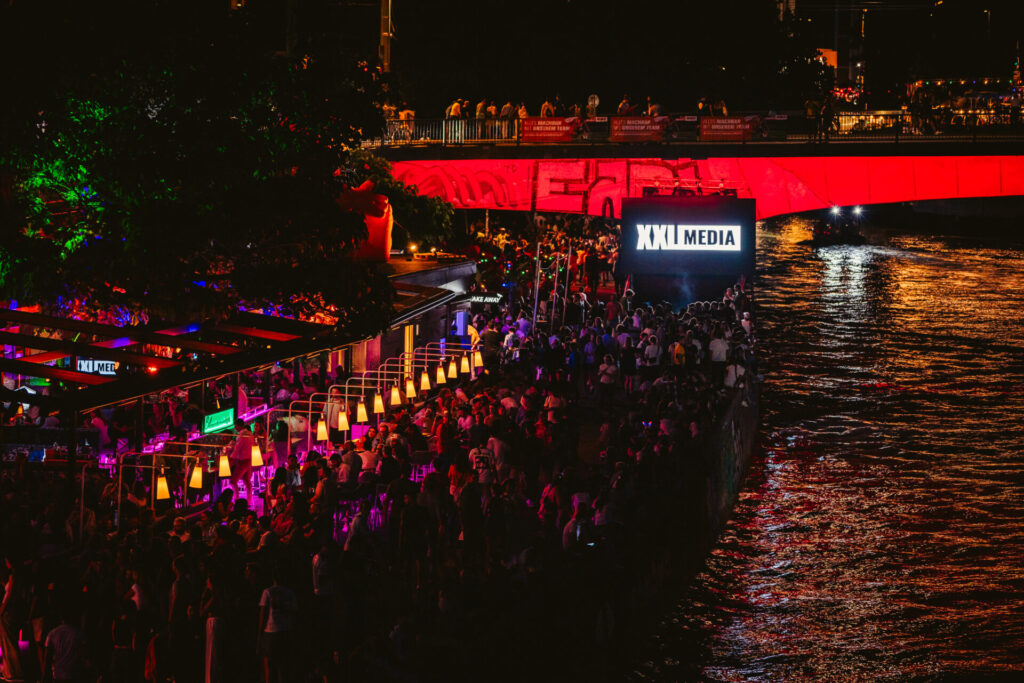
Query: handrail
[152,466]
[862,126]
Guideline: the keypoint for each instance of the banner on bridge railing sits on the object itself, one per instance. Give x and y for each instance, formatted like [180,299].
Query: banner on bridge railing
[537,129]
[638,128]
[726,128]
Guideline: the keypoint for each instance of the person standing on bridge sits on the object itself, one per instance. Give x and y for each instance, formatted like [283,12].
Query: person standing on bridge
[624,106]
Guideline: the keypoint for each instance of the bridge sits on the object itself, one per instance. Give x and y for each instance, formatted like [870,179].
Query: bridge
[785,175]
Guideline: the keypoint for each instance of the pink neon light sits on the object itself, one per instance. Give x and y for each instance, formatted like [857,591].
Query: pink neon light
[780,184]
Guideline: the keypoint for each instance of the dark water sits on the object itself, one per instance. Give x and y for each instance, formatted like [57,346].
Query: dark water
[881,534]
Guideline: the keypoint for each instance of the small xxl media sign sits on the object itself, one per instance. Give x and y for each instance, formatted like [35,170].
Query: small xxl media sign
[675,245]
[99,367]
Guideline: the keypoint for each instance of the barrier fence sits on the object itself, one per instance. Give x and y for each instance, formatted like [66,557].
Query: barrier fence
[866,126]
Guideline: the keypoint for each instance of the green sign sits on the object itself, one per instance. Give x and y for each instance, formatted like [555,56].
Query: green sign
[219,421]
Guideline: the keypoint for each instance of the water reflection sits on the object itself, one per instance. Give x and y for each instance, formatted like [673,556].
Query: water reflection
[880,535]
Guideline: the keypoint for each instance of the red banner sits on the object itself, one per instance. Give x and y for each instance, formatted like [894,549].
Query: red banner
[638,128]
[537,129]
[728,127]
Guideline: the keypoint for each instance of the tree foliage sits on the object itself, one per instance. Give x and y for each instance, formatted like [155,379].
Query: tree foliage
[194,174]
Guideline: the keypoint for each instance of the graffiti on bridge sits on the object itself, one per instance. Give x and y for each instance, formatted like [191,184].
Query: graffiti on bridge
[780,185]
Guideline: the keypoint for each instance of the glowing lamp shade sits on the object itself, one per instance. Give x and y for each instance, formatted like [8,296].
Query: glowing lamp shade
[321,430]
[478,359]
[361,413]
[440,375]
[223,467]
[424,381]
[396,396]
[257,455]
[410,389]
[378,404]
[162,493]
[343,421]
[464,367]
[196,480]
[453,371]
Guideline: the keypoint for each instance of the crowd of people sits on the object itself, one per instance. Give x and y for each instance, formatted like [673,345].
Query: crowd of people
[488,108]
[423,550]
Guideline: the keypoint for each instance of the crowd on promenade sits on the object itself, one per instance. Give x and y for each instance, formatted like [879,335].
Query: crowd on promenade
[488,109]
[548,461]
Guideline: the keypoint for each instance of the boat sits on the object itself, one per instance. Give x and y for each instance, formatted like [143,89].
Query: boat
[839,228]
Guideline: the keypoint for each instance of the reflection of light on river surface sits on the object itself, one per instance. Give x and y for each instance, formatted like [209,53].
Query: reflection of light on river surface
[842,278]
[880,535]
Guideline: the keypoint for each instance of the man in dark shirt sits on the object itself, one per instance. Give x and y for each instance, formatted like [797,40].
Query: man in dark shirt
[490,346]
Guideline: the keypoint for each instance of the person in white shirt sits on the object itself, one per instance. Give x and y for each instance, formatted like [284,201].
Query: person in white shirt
[500,449]
[278,606]
[482,460]
[651,357]
[607,379]
[719,349]
[734,375]
[332,409]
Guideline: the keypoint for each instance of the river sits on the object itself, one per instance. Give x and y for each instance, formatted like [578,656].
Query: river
[880,534]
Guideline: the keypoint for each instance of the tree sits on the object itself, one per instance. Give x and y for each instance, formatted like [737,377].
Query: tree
[193,174]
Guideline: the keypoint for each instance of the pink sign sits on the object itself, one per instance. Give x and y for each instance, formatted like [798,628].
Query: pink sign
[729,127]
[537,129]
[638,128]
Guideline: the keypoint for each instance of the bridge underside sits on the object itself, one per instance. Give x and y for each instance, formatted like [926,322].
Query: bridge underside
[781,185]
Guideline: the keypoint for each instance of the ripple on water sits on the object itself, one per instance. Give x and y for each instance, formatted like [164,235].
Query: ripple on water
[881,533]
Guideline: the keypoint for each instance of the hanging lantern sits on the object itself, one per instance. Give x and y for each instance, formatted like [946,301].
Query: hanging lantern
[257,455]
[343,421]
[396,396]
[361,413]
[321,430]
[464,367]
[440,374]
[162,493]
[410,389]
[453,371]
[378,404]
[424,381]
[223,467]
[196,480]
[478,359]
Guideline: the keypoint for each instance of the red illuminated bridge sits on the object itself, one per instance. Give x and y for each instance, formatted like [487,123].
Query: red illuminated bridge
[783,178]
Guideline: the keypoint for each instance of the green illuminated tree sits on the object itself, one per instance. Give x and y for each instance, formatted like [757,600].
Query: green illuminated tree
[190,169]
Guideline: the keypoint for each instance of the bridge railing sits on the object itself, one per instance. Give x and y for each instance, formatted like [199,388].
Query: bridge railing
[747,128]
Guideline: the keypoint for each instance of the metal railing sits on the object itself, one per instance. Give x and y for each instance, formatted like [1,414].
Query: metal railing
[852,126]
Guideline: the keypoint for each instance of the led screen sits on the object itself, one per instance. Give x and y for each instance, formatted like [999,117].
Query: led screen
[688,236]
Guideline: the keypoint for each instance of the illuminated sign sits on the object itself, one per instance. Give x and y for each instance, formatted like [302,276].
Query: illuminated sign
[688,237]
[682,249]
[219,421]
[478,298]
[98,367]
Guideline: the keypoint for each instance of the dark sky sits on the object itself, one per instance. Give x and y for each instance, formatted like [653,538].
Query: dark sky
[533,49]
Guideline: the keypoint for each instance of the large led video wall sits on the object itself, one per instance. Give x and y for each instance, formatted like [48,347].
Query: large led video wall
[682,249]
